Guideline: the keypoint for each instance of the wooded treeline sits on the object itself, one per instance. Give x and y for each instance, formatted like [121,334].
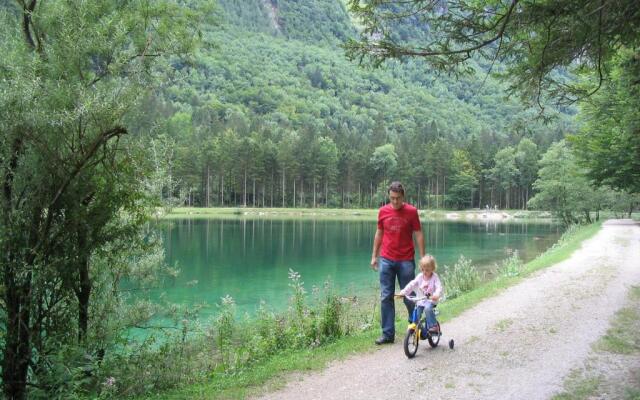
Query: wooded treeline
[271,116]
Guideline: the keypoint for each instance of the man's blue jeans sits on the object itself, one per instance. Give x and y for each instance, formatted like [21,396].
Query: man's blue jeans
[389,270]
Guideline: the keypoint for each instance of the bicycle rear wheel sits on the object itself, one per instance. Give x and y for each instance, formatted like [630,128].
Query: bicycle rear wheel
[411,341]
[434,338]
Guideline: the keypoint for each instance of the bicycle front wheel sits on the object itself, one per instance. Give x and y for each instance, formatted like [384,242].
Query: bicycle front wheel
[411,340]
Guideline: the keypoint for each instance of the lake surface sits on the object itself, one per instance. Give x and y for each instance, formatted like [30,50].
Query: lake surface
[249,259]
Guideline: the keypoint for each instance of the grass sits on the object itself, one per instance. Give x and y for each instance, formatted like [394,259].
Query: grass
[271,374]
[578,387]
[264,377]
[279,213]
[622,337]
[503,325]
[369,214]
[632,394]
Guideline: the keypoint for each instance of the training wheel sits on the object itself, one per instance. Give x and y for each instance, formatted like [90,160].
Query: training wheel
[451,344]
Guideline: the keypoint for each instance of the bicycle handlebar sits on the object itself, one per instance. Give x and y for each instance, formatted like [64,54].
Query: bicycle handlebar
[416,299]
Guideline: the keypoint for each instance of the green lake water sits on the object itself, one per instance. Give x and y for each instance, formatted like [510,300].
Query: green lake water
[249,259]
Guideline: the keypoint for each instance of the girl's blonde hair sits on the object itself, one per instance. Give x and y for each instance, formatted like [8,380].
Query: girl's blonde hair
[428,261]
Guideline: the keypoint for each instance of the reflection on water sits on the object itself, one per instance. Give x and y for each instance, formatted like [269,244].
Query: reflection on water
[249,259]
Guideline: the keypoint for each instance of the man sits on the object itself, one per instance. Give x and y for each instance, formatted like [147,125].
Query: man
[393,243]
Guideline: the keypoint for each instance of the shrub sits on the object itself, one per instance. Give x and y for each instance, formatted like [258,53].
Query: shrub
[512,266]
[463,277]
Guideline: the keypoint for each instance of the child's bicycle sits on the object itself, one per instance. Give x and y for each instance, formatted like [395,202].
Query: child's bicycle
[417,330]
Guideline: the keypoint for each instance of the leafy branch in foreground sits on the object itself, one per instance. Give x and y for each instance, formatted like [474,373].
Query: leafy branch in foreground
[71,177]
[537,40]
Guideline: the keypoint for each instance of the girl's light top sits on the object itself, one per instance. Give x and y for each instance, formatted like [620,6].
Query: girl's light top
[422,286]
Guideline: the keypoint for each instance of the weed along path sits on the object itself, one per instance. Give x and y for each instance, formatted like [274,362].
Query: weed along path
[521,344]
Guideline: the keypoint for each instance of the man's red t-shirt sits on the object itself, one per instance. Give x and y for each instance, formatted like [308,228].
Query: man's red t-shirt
[398,227]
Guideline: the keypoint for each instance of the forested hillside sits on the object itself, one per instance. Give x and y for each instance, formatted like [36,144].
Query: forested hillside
[271,113]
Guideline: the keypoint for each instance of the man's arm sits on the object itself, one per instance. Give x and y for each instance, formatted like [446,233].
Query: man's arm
[420,241]
[377,241]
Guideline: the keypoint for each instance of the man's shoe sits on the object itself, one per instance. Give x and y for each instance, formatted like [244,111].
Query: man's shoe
[384,340]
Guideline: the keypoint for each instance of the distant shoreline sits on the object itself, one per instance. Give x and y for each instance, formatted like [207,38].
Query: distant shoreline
[351,214]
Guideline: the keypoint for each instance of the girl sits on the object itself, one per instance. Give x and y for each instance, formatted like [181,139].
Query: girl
[426,283]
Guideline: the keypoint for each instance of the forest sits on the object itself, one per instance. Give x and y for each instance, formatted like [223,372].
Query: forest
[277,117]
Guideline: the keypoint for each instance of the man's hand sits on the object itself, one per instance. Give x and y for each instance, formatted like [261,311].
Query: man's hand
[374,263]
[435,297]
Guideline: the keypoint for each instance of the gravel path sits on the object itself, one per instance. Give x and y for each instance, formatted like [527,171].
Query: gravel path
[519,344]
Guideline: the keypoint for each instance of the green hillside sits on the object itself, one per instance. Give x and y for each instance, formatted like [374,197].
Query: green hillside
[271,101]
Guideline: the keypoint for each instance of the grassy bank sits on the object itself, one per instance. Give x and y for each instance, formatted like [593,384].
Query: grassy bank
[285,213]
[342,213]
[269,374]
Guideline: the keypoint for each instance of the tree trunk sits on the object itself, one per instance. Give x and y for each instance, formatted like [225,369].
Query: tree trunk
[83,294]
[370,194]
[326,194]
[444,191]
[282,187]
[17,346]
[491,202]
[208,185]
[244,194]
[437,193]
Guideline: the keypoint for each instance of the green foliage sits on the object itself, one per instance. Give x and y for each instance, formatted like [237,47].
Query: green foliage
[230,346]
[465,181]
[264,106]
[225,328]
[461,278]
[311,21]
[562,186]
[609,143]
[541,63]
[620,337]
[511,266]
[530,36]
[505,173]
[268,333]
[384,161]
[331,22]
[300,322]
[72,72]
